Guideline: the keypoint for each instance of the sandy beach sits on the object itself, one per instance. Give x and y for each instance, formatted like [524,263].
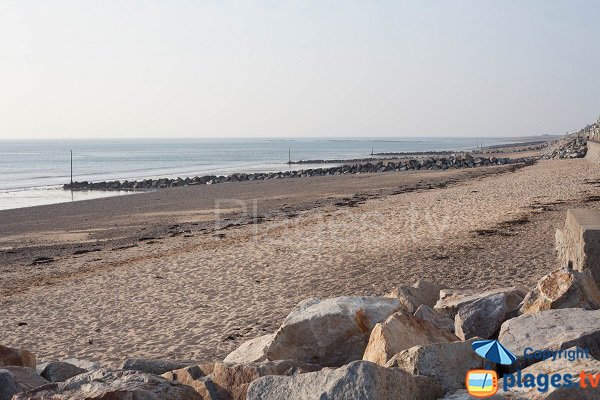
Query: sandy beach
[190,273]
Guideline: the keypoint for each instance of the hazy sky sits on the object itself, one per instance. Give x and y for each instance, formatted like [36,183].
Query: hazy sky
[299,68]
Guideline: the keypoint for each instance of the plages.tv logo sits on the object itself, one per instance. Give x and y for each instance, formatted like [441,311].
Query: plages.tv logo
[483,383]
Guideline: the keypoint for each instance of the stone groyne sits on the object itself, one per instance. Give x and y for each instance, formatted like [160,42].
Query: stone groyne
[439,163]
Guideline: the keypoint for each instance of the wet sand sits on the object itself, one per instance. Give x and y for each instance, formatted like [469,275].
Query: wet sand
[163,274]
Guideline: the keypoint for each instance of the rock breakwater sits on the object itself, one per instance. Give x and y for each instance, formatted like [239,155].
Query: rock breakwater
[434,163]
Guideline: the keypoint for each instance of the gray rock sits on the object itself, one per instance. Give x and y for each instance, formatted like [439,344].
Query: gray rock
[114,385]
[357,380]
[446,363]
[428,314]
[481,318]
[26,377]
[329,332]
[153,366]
[552,330]
[452,300]
[8,385]
[61,371]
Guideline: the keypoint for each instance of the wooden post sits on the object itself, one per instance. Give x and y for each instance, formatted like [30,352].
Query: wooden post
[290,155]
[71,169]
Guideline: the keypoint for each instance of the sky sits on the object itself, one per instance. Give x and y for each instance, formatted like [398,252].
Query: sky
[128,69]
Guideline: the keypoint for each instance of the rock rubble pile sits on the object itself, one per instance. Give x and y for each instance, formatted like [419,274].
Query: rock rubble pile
[572,146]
[351,348]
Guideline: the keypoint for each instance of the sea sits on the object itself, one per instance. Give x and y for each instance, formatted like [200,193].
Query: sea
[32,172]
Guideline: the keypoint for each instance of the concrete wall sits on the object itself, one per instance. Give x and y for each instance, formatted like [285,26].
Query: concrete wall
[593,152]
[578,244]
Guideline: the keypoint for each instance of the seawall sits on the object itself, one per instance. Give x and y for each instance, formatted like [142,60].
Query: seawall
[593,152]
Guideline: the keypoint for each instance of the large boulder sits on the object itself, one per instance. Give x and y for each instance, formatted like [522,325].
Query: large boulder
[8,385]
[428,314]
[563,288]
[153,366]
[114,385]
[452,300]
[399,332]
[483,317]
[551,330]
[422,292]
[16,357]
[58,371]
[253,350]
[225,381]
[446,363]
[510,385]
[330,332]
[357,380]
[26,377]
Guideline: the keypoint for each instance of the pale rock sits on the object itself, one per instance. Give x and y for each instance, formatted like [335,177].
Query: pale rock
[16,357]
[428,314]
[452,300]
[358,380]
[446,363]
[196,376]
[552,330]
[563,288]
[422,292]
[106,384]
[253,350]
[482,318]
[330,332]
[399,332]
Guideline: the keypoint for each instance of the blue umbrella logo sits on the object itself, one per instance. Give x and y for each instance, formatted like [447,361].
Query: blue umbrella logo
[494,351]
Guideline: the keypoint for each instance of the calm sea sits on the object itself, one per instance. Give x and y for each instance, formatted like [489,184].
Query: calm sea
[32,172]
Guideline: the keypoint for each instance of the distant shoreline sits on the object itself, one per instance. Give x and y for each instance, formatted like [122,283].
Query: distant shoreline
[211,159]
[404,161]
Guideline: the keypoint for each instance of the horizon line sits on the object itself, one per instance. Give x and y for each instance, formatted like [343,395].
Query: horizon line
[279,138]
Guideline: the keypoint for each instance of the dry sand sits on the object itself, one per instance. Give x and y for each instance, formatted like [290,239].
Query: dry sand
[187,291]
